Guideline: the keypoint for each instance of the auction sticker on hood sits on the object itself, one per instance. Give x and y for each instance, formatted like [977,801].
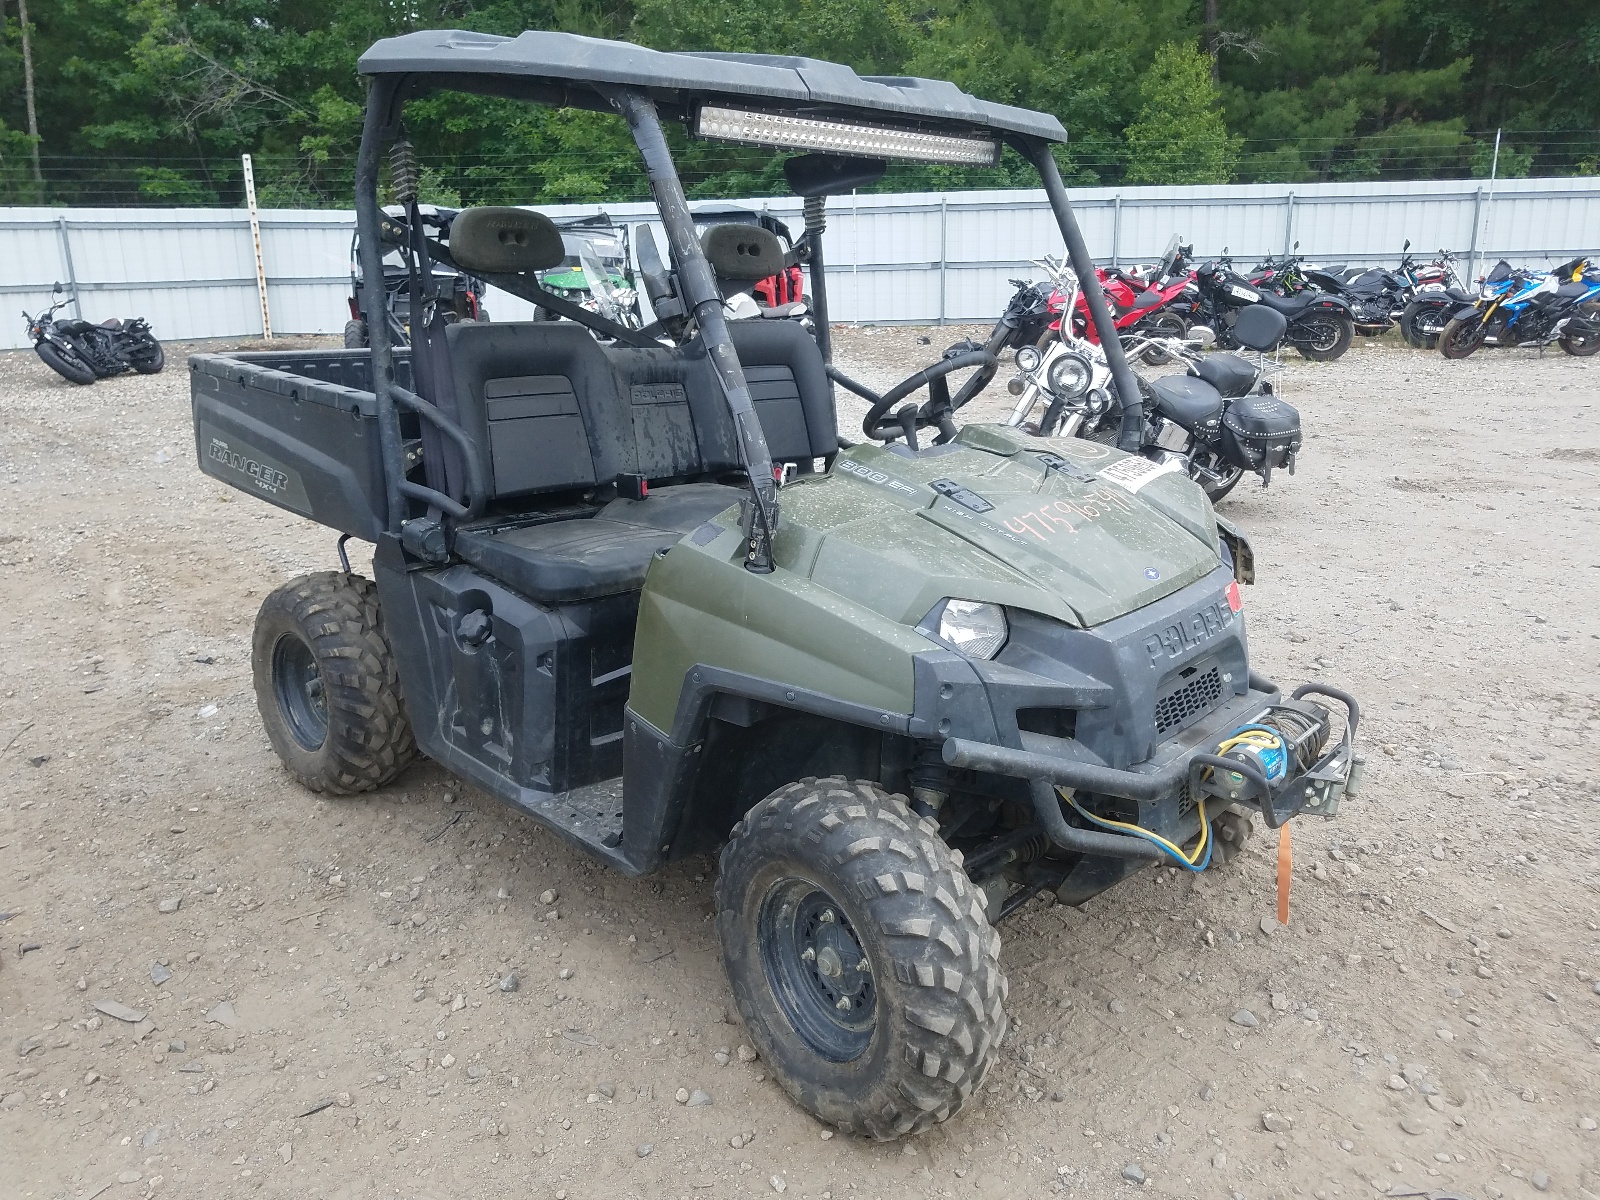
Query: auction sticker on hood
[1134,472]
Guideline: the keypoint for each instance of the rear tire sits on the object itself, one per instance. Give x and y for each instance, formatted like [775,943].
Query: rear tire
[897,1040]
[1420,324]
[1582,345]
[327,686]
[355,335]
[1337,333]
[1461,336]
[73,369]
[149,359]
[1169,325]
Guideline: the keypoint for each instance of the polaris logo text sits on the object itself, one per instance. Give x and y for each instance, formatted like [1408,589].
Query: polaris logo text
[268,479]
[1188,633]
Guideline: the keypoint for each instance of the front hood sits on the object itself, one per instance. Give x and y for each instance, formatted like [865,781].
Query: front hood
[1067,528]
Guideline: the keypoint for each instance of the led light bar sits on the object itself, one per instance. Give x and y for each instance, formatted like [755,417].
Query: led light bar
[842,137]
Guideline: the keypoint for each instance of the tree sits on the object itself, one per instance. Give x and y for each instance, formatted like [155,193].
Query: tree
[1179,135]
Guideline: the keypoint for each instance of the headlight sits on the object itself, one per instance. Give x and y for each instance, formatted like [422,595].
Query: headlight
[972,627]
[1070,376]
[1028,359]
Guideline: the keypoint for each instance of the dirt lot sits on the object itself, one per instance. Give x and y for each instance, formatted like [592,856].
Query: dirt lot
[1428,1022]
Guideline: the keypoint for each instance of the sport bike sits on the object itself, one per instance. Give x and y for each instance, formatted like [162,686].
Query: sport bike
[1531,309]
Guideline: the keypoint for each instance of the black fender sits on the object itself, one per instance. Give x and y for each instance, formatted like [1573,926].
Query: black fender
[1333,303]
[1461,314]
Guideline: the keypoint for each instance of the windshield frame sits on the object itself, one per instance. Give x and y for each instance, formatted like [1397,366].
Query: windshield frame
[638,108]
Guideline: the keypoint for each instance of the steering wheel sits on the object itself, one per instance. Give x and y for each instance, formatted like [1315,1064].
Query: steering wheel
[937,409]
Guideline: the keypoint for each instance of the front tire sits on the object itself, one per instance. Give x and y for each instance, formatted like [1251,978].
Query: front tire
[327,686]
[69,367]
[1323,338]
[355,335]
[1461,336]
[860,957]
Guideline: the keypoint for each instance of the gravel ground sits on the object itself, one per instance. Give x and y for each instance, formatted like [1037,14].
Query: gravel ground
[325,985]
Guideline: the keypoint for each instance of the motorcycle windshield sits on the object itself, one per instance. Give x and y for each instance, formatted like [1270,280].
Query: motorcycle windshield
[1169,258]
[601,288]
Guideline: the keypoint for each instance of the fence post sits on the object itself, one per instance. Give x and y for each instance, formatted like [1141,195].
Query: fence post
[944,252]
[1116,231]
[66,258]
[1472,246]
[255,236]
[1288,224]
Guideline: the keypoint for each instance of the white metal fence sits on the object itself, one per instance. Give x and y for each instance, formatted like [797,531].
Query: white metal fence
[906,258]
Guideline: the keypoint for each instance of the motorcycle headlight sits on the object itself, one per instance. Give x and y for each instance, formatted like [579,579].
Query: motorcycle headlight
[1028,359]
[976,629]
[1070,376]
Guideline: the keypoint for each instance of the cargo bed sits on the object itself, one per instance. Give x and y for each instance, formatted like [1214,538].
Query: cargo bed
[299,429]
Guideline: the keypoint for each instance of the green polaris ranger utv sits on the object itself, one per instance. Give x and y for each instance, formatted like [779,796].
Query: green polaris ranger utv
[633,582]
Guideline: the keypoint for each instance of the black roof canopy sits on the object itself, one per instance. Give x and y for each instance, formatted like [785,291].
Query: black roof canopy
[570,63]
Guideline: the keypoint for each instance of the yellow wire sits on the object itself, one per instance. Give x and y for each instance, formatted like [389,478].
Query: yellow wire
[1177,851]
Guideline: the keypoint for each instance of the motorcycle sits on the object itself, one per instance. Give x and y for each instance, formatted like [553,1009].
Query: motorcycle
[1214,423]
[1530,309]
[1319,326]
[1148,310]
[1378,297]
[81,352]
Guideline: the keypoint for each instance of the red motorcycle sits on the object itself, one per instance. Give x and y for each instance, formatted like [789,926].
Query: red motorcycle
[1145,309]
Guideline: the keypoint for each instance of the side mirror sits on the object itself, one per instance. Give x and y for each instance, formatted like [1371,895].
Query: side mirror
[1202,335]
[58,289]
[1406,247]
[831,174]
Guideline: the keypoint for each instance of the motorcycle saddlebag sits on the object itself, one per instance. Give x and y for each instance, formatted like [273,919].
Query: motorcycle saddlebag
[1260,433]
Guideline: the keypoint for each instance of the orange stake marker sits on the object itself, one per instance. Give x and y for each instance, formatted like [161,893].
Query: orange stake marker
[1285,860]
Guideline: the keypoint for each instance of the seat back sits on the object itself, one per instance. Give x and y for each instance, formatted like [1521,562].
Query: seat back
[555,411]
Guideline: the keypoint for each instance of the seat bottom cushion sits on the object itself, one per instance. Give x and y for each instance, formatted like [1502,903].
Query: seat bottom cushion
[601,555]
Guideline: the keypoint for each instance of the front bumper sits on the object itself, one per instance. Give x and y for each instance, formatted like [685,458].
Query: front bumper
[1187,768]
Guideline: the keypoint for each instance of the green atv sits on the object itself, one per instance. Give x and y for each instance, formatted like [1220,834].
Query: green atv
[634,584]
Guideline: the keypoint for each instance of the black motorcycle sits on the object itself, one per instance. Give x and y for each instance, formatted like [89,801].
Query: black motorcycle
[1318,325]
[1221,418]
[1379,297]
[81,352]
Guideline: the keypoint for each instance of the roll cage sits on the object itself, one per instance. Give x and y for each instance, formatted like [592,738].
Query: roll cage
[777,101]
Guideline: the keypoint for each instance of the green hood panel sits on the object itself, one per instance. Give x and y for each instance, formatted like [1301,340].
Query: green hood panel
[1097,535]
[866,550]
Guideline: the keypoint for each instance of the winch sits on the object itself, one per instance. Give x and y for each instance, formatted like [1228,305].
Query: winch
[1277,760]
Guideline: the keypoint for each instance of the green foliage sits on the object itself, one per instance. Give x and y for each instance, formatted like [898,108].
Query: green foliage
[1511,164]
[153,101]
[1179,135]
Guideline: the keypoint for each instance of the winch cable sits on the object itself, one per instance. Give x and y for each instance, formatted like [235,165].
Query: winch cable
[1195,863]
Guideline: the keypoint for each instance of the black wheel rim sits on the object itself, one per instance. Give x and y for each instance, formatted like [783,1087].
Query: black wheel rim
[817,969]
[297,684]
[1322,335]
[1430,322]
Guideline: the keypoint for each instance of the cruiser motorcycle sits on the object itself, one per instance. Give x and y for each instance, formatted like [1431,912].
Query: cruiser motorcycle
[1214,422]
[81,352]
